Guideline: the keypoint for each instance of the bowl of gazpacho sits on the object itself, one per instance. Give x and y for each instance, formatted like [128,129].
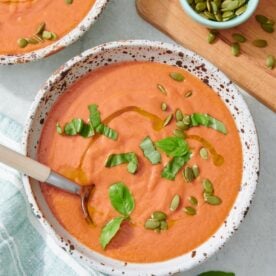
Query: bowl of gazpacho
[169,145]
[33,29]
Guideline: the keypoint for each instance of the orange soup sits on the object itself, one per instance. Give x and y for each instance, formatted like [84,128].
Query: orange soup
[20,22]
[166,160]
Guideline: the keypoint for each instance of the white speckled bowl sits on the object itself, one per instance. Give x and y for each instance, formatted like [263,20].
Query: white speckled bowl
[141,50]
[61,43]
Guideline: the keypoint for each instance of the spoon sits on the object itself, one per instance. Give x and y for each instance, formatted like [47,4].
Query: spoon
[43,173]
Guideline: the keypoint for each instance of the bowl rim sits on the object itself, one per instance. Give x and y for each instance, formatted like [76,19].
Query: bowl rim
[220,25]
[236,214]
[66,40]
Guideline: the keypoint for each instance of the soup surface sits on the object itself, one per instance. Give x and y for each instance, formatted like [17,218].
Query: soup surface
[20,19]
[133,87]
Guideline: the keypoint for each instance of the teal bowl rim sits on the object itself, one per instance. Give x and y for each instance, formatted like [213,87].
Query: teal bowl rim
[220,25]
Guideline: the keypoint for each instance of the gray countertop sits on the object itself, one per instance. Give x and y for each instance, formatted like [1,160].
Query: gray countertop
[252,249]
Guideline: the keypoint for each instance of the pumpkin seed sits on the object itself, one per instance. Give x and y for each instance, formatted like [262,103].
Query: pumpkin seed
[188,93]
[40,28]
[188,175]
[212,37]
[179,133]
[161,88]
[181,125]
[168,120]
[69,2]
[261,43]
[214,7]
[152,224]
[238,37]
[164,106]
[193,200]
[195,169]
[46,35]
[208,186]
[203,152]
[32,40]
[270,61]
[163,225]
[261,18]
[227,14]
[22,42]
[178,115]
[212,199]
[235,49]
[241,10]
[177,76]
[267,27]
[186,120]
[191,211]
[158,215]
[54,36]
[201,6]
[175,203]
[229,5]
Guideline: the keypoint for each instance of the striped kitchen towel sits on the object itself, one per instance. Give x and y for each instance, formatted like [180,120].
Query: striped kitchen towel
[24,247]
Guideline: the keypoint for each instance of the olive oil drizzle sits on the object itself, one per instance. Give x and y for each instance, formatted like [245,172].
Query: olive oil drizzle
[77,174]
[218,159]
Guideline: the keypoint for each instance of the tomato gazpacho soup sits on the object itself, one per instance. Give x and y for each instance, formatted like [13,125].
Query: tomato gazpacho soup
[27,25]
[162,150]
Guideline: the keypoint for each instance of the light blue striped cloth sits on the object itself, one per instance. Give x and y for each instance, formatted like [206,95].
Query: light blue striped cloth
[24,247]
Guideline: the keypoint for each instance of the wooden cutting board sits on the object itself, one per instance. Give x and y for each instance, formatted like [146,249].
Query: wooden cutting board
[248,70]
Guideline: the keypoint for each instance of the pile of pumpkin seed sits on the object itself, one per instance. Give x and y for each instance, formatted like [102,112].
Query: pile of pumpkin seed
[219,10]
[40,35]
[157,221]
[265,23]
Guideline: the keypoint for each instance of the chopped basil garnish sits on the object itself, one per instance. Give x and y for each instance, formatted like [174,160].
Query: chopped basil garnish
[107,131]
[121,199]
[94,117]
[87,131]
[74,127]
[117,159]
[173,146]
[200,119]
[173,167]
[216,273]
[110,230]
[149,151]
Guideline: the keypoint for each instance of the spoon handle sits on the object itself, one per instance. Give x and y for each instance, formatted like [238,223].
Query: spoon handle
[36,170]
[24,164]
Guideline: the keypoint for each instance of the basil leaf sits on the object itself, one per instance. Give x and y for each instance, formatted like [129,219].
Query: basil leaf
[110,230]
[74,127]
[200,119]
[149,151]
[173,167]
[107,131]
[216,273]
[117,159]
[87,131]
[94,117]
[173,146]
[121,198]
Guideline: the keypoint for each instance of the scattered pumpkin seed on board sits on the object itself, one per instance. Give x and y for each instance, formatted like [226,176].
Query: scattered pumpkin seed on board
[238,37]
[260,43]
[212,36]
[270,61]
[235,49]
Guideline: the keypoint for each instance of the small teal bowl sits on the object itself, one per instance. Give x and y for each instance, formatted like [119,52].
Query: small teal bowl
[251,7]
